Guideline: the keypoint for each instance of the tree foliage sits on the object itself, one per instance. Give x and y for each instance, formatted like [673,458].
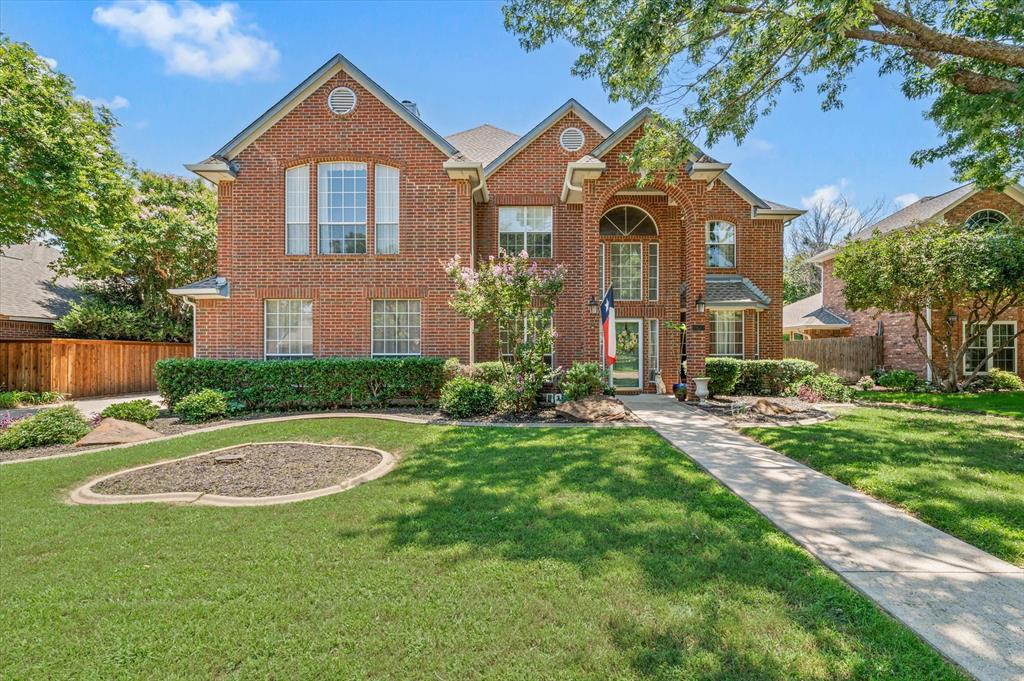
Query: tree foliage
[61,178]
[935,271]
[715,67]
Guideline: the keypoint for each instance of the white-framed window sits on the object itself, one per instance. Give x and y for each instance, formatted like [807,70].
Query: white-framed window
[287,328]
[985,218]
[720,239]
[385,207]
[395,328]
[726,338]
[525,228]
[652,271]
[509,340]
[627,270]
[341,199]
[296,211]
[1000,335]
[653,348]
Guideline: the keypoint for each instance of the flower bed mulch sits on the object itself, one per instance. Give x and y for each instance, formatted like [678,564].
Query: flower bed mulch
[263,470]
[737,409]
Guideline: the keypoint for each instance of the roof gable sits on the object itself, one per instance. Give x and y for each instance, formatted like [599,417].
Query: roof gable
[558,114]
[310,85]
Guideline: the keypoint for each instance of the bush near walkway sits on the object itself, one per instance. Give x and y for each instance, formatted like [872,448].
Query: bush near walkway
[57,426]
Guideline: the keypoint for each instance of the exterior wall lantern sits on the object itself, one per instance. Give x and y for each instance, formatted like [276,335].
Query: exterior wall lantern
[951,319]
[592,305]
[699,304]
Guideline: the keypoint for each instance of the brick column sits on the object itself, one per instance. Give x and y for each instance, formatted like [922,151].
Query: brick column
[695,271]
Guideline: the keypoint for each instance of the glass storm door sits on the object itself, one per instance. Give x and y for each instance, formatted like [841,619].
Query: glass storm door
[626,371]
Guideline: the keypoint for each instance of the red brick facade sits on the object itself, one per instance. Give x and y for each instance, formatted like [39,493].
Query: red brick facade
[439,219]
[901,352]
[11,329]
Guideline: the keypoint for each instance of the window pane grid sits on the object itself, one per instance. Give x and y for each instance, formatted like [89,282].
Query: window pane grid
[386,181]
[296,210]
[726,333]
[525,228]
[509,340]
[652,271]
[341,199]
[395,327]
[627,271]
[288,328]
[721,244]
[998,335]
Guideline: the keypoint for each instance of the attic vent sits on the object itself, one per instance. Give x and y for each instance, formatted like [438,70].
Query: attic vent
[571,139]
[341,100]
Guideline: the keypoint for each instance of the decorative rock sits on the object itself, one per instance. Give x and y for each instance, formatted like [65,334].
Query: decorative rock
[596,408]
[229,458]
[769,408]
[117,432]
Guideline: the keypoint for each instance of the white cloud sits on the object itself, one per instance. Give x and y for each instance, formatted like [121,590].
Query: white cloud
[759,145]
[118,102]
[904,200]
[825,194]
[50,62]
[207,42]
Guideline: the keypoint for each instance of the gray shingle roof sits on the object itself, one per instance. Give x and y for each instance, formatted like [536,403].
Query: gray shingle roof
[28,286]
[484,143]
[809,313]
[731,290]
[922,209]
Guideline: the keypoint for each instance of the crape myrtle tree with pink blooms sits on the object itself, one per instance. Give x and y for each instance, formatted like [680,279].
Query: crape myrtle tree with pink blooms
[515,297]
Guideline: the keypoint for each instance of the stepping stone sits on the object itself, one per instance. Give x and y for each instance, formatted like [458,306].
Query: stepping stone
[229,458]
[117,432]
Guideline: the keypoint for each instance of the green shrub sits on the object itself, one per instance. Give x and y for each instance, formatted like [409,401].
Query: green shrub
[519,390]
[724,372]
[898,379]
[865,383]
[818,387]
[93,317]
[57,426]
[582,380]
[1005,380]
[16,398]
[303,384]
[202,406]
[489,372]
[463,397]
[140,411]
[771,376]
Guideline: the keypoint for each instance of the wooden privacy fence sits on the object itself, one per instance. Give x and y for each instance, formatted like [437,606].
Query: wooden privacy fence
[81,368]
[851,356]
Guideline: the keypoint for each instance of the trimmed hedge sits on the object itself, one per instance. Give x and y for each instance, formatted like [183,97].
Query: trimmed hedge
[281,385]
[463,398]
[771,376]
[724,372]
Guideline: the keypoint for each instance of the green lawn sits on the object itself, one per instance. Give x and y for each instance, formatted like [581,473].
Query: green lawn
[1000,404]
[487,553]
[961,473]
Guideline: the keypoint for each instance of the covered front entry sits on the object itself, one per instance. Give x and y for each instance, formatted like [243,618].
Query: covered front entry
[627,372]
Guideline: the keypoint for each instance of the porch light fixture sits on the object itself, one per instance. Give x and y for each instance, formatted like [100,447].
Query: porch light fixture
[699,304]
[592,305]
[951,319]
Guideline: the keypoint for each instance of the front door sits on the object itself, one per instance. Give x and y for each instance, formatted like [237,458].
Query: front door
[626,372]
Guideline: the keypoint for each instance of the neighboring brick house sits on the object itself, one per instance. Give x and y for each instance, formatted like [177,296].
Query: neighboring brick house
[32,296]
[339,206]
[825,314]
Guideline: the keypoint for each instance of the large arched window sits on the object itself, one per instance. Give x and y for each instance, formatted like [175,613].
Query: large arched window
[985,218]
[627,221]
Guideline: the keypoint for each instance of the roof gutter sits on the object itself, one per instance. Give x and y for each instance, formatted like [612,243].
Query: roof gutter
[215,170]
[588,170]
[472,172]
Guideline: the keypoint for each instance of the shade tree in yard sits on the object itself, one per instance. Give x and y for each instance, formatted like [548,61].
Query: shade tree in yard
[955,282]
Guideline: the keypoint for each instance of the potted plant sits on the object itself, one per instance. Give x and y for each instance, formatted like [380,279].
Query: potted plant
[679,390]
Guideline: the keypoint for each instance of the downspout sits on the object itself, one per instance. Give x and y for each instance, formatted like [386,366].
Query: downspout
[195,316]
[757,335]
[928,341]
[472,263]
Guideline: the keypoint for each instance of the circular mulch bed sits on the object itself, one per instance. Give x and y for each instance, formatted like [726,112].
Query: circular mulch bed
[738,410]
[270,472]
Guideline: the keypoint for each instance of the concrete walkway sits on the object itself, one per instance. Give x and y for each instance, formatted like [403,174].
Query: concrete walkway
[966,603]
[89,406]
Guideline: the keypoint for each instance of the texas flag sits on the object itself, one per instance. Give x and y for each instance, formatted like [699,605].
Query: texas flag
[608,325]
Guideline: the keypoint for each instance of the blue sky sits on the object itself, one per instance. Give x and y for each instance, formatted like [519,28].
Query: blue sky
[185,78]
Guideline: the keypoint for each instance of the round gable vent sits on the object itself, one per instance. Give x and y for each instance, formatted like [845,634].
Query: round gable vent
[571,139]
[341,100]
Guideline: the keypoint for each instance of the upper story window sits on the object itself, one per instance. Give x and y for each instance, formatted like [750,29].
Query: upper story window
[627,270]
[627,221]
[385,206]
[721,244]
[296,211]
[985,218]
[525,228]
[341,198]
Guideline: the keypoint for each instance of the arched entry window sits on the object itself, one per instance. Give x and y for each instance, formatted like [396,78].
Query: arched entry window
[627,221]
[985,218]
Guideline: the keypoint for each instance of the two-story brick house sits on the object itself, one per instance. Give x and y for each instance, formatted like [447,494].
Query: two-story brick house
[825,314]
[339,206]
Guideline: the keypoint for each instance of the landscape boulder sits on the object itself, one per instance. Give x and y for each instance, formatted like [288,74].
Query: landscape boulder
[594,409]
[769,408]
[116,432]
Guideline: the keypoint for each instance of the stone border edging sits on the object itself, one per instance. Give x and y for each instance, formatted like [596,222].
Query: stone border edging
[402,418]
[85,495]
